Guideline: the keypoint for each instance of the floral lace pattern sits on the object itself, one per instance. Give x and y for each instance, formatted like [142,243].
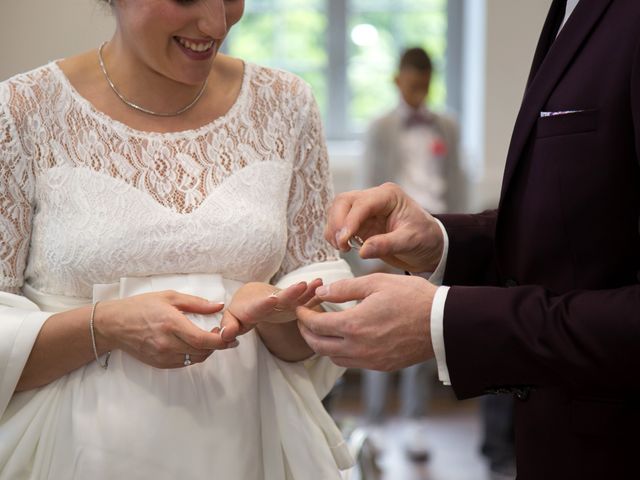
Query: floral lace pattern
[85,199]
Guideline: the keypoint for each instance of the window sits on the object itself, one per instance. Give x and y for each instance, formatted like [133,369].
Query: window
[346,49]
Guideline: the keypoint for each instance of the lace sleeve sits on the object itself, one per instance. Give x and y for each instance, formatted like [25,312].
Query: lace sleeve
[310,194]
[16,189]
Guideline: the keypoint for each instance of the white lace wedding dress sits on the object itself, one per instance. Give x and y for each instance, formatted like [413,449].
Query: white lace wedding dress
[92,209]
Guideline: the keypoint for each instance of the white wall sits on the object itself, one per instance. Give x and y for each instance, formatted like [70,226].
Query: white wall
[500,45]
[502,35]
[32,32]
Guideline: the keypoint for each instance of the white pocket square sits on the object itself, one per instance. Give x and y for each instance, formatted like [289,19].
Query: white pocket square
[561,112]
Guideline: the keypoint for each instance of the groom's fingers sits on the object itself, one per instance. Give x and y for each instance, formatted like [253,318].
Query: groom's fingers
[310,292]
[347,290]
[336,215]
[323,345]
[323,324]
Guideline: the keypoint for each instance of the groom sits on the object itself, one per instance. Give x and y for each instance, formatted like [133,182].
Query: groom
[545,301]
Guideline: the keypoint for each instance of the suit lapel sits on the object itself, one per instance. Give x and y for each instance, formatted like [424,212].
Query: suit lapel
[548,35]
[547,71]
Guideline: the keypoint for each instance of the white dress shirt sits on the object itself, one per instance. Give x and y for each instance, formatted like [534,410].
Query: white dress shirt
[437,309]
[422,175]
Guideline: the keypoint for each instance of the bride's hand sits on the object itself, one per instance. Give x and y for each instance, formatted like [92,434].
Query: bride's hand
[256,302]
[152,328]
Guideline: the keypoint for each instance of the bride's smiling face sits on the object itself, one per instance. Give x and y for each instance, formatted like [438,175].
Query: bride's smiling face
[176,38]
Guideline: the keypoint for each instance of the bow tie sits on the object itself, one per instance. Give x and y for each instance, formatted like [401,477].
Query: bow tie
[415,119]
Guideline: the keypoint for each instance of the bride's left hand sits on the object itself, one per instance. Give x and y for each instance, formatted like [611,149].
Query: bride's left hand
[257,302]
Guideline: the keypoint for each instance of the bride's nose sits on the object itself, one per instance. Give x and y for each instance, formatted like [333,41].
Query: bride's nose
[213,18]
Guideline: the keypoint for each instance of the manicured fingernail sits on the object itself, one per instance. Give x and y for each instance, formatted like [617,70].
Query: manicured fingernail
[340,234]
[215,303]
[322,291]
[233,344]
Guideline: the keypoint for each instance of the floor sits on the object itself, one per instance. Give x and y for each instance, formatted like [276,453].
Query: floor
[452,434]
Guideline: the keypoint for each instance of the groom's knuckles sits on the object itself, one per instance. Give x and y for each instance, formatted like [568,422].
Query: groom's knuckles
[322,345]
[309,319]
[311,323]
[311,338]
[314,340]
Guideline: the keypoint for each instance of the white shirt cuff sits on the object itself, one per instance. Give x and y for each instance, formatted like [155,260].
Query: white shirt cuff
[437,333]
[437,309]
[438,275]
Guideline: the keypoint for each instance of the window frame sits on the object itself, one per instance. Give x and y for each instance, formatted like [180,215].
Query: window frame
[337,125]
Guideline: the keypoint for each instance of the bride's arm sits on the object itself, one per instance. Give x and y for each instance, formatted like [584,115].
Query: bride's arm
[62,345]
[285,341]
[308,254]
[150,327]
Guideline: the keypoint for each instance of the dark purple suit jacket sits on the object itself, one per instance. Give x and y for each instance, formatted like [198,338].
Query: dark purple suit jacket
[557,318]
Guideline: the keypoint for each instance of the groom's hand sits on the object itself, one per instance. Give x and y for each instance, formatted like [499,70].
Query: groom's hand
[389,329]
[393,226]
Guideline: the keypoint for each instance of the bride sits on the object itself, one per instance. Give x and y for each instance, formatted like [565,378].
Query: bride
[161,216]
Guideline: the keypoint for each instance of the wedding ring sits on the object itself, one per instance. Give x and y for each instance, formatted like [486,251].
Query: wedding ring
[274,294]
[355,242]
[187,360]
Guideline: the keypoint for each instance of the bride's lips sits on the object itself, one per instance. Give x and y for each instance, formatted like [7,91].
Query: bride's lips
[196,49]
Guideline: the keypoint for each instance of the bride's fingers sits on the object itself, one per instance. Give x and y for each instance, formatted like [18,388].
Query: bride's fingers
[286,299]
[194,336]
[309,293]
[230,328]
[178,354]
[170,343]
[290,293]
[313,302]
[186,359]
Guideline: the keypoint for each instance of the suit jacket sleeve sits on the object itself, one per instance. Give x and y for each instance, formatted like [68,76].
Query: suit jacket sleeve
[497,337]
[528,335]
[471,256]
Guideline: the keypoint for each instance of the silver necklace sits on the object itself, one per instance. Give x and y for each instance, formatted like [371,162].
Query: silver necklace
[138,107]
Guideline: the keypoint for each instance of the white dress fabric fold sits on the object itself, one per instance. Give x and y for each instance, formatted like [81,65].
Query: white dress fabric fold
[105,424]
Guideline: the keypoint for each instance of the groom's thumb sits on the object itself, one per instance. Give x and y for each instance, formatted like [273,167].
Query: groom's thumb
[343,290]
[384,245]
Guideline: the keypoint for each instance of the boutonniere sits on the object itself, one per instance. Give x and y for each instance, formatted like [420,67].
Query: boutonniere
[438,147]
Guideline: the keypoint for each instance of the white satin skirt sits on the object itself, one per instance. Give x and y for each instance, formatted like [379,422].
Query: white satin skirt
[242,414]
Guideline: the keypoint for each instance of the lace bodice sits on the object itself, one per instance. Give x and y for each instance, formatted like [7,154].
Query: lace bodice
[85,199]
